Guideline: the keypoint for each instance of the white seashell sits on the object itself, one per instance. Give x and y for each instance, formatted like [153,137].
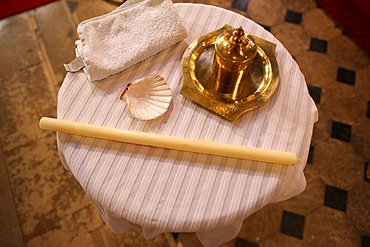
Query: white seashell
[147,98]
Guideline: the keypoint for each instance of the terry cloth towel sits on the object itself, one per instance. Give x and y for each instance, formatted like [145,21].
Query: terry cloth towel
[133,32]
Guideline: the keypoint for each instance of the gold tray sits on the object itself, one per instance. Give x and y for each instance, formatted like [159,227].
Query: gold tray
[198,82]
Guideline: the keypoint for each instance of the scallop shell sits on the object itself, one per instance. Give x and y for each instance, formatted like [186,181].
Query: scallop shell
[147,98]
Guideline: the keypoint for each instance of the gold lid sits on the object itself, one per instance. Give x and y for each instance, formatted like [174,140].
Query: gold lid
[238,46]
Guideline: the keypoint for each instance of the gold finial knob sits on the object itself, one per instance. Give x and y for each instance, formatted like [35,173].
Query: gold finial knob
[238,35]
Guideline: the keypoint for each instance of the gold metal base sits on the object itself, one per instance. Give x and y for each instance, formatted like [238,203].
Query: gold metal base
[199,83]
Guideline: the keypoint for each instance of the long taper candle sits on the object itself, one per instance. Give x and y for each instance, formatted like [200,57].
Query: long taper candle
[170,142]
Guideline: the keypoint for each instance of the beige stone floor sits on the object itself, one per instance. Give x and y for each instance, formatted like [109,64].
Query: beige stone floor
[41,204]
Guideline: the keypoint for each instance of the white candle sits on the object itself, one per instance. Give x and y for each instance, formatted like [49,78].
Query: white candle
[170,142]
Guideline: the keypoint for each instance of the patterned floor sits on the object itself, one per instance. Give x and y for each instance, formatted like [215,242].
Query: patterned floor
[43,205]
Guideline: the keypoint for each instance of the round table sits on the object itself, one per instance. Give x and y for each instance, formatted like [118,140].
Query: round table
[166,190]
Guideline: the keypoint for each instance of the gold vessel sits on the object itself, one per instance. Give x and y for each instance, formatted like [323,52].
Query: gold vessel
[229,82]
[234,53]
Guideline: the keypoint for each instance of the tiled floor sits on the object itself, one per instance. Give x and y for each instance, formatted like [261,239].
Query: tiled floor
[41,204]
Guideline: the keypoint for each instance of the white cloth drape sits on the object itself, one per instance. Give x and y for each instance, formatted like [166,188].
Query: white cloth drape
[172,191]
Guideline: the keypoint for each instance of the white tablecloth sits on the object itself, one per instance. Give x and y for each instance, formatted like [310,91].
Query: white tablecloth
[173,191]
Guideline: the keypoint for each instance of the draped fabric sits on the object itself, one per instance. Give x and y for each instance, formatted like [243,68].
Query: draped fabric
[165,190]
[9,7]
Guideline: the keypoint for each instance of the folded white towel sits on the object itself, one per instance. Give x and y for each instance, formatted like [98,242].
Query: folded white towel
[133,32]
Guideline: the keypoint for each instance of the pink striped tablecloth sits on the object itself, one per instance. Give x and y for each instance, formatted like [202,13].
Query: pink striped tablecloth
[174,191]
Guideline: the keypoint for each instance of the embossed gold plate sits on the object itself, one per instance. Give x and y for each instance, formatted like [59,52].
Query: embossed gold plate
[198,81]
